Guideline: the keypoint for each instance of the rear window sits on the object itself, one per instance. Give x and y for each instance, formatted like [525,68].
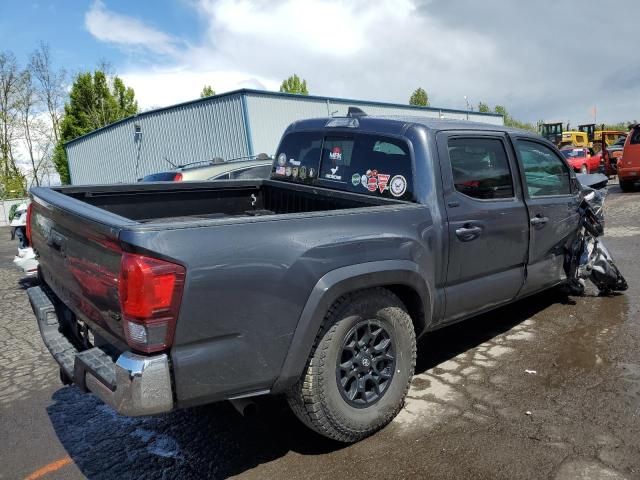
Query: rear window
[360,163]
[159,177]
[635,137]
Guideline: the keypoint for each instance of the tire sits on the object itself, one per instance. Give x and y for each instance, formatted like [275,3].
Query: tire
[319,401]
[626,185]
[584,169]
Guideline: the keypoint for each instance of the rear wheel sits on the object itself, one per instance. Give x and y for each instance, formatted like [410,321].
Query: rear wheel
[626,185]
[360,367]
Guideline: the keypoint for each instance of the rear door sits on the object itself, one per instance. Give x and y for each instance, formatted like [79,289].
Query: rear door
[552,197]
[487,221]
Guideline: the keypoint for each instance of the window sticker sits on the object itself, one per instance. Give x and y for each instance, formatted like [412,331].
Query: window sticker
[280,171]
[288,171]
[373,181]
[355,179]
[282,159]
[334,173]
[398,186]
[303,173]
[294,172]
[336,154]
[312,172]
[294,162]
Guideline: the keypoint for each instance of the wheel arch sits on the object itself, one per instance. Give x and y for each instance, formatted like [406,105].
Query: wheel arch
[401,277]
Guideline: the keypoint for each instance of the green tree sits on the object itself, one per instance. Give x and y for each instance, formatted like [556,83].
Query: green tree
[207,91]
[419,98]
[294,84]
[509,121]
[483,108]
[95,101]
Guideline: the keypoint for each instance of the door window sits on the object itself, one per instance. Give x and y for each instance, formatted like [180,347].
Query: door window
[480,168]
[545,173]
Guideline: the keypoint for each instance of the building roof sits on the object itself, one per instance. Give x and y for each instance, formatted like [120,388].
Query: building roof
[246,91]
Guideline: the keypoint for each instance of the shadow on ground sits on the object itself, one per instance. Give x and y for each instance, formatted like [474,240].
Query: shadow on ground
[215,441]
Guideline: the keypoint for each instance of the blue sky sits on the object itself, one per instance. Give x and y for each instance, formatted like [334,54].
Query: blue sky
[539,59]
[61,24]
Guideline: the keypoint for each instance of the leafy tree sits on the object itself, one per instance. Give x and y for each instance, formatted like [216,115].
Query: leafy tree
[207,91]
[419,98]
[294,84]
[483,108]
[95,101]
[509,121]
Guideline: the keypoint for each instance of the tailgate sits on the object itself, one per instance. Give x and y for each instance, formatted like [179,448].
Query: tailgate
[79,258]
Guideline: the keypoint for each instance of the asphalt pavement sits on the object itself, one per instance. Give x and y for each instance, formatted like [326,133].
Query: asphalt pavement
[548,387]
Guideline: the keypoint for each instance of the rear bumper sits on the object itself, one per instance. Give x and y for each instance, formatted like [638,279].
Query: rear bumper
[629,173]
[133,384]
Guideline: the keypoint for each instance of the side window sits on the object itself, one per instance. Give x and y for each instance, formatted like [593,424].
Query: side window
[545,173]
[635,136]
[480,168]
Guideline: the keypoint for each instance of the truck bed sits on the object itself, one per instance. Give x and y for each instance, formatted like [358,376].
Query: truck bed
[178,202]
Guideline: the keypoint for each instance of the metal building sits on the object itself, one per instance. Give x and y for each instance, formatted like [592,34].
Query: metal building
[231,125]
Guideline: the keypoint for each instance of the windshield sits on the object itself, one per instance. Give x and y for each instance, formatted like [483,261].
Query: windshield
[572,153]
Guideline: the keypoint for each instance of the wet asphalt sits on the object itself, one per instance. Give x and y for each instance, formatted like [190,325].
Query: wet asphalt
[548,387]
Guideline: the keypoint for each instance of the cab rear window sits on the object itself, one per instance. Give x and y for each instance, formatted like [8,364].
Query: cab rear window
[360,163]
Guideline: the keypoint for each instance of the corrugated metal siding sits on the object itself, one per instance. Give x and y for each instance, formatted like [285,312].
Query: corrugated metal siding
[270,115]
[186,133]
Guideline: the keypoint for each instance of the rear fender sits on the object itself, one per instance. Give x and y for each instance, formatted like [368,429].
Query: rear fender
[340,282]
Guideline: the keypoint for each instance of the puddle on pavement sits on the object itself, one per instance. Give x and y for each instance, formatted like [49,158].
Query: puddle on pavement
[589,345]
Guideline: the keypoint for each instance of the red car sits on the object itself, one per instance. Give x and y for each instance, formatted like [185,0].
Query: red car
[581,159]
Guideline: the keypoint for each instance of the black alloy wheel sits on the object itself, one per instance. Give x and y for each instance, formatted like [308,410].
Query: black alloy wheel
[366,365]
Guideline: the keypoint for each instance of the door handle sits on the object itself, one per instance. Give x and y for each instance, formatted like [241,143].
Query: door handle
[539,220]
[468,233]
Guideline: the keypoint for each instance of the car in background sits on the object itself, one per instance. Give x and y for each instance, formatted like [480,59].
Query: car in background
[582,160]
[218,169]
[629,163]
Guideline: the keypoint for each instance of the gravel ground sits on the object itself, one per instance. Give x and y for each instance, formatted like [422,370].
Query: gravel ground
[546,388]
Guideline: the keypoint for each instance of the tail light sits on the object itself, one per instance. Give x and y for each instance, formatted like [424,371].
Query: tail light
[28,228]
[177,177]
[150,296]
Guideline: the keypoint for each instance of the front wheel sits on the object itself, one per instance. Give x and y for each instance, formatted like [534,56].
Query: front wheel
[584,169]
[360,367]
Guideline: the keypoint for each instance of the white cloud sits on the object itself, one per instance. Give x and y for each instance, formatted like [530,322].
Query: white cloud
[342,48]
[519,54]
[126,31]
[169,86]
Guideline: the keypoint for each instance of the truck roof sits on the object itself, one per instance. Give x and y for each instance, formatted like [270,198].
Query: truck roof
[397,124]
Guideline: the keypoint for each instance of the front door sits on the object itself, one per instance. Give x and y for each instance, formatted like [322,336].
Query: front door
[552,198]
[487,221]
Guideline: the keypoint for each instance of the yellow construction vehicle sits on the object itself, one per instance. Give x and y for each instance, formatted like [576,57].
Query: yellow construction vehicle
[573,138]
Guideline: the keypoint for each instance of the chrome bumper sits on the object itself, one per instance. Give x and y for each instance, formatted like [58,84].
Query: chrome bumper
[133,385]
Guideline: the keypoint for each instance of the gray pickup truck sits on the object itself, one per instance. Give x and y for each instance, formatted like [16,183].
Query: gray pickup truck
[313,284]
